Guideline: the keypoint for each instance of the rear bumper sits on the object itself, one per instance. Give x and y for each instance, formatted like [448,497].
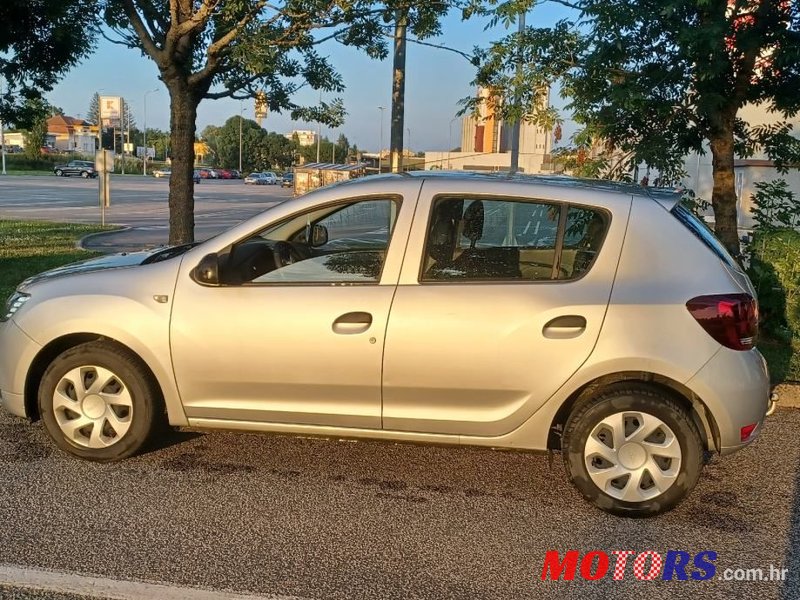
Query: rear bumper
[735,388]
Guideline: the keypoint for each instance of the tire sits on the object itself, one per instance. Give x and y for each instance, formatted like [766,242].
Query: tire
[663,465]
[59,173]
[85,174]
[111,424]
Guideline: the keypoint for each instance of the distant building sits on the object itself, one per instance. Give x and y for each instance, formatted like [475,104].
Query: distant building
[486,143]
[747,171]
[71,135]
[306,137]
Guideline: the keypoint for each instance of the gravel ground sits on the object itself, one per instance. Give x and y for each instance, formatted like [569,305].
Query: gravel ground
[331,519]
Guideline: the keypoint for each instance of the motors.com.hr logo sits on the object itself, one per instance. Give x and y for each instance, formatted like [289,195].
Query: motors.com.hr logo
[674,565]
[647,565]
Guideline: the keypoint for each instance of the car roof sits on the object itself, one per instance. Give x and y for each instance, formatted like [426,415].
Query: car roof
[667,197]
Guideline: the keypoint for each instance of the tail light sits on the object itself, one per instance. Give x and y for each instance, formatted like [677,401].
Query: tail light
[731,319]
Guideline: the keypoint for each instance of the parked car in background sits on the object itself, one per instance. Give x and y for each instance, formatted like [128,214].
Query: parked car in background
[600,320]
[287,180]
[159,173]
[272,178]
[235,174]
[204,173]
[84,168]
[256,179]
[225,174]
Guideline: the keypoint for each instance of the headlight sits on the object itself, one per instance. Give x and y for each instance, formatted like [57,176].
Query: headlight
[13,304]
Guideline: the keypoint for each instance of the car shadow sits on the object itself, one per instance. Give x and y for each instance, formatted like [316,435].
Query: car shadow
[791,585]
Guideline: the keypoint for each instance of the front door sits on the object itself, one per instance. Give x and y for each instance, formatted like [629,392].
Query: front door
[295,333]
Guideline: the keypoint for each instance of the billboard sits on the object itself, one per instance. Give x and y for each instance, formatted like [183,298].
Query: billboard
[110,111]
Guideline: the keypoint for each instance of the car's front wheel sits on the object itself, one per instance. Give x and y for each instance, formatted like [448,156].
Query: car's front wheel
[85,174]
[633,451]
[98,402]
[59,172]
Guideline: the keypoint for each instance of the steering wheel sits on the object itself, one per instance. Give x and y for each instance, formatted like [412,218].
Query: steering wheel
[285,254]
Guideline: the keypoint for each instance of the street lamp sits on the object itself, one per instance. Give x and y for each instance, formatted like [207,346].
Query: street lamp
[144,160]
[380,149]
[450,142]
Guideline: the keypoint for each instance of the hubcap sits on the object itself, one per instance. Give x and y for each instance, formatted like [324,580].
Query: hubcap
[93,407]
[632,456]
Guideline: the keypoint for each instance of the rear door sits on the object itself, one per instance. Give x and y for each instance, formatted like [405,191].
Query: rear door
[502,298]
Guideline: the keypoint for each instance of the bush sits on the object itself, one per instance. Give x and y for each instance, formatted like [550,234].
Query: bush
[45,162]
[775,273]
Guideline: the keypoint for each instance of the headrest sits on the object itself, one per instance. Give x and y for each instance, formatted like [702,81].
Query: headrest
[473,221]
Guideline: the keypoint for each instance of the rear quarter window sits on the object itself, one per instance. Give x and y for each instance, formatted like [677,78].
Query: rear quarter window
[702,232]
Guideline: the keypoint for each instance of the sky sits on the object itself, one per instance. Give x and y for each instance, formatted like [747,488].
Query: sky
[435,81]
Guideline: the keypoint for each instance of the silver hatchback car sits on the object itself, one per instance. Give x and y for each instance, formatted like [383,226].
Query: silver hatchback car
[600,320]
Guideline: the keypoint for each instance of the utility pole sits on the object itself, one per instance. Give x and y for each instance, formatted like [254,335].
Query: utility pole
[398,90]
[2,135]
[319,128]
[515,130]
[122,131]
[144,161]
[380,148]
[241,116]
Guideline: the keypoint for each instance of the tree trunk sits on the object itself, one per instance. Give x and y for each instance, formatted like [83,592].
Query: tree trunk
[398,91]
[183,113]
[723,197]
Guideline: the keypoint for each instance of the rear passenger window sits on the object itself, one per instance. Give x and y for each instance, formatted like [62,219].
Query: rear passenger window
[491,239]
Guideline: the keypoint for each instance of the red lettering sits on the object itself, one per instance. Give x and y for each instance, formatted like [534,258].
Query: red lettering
[554,567]
[588,562]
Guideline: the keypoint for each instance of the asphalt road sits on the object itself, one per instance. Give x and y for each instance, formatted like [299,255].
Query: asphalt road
[322,519]
[137,202]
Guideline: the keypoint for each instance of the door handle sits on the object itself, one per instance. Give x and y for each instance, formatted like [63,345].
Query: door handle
[564,327]
[352,322]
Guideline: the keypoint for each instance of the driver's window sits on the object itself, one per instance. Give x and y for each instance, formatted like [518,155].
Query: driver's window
[342,243]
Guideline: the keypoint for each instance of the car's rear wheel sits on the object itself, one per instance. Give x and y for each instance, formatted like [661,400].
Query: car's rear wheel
[59,172]
[98,402]
[633,451]
[85,174]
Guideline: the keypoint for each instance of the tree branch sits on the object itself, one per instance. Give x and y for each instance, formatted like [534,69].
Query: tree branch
[144,36]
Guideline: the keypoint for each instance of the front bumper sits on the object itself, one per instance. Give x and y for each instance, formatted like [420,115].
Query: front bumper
[17,352]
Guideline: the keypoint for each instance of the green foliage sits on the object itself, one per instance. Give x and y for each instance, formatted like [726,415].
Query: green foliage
[261,150]
[36,135]
[659,78]
[775,206]
[40,40]
[698,206]
[30,247]
[775,273]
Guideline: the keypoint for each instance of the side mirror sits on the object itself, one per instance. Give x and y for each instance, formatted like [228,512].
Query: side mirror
[207,272]
[319,236]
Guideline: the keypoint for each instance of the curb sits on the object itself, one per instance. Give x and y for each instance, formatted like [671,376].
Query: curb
[788,395]
[80,243]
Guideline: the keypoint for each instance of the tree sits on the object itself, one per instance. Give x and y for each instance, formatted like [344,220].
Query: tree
[661,78]
[215,49]
[40,40]
[261,150]
[36,134]
[93,114]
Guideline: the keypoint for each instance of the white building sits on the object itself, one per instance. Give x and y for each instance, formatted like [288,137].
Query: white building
[307,137]
[486,144]
[747,171]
